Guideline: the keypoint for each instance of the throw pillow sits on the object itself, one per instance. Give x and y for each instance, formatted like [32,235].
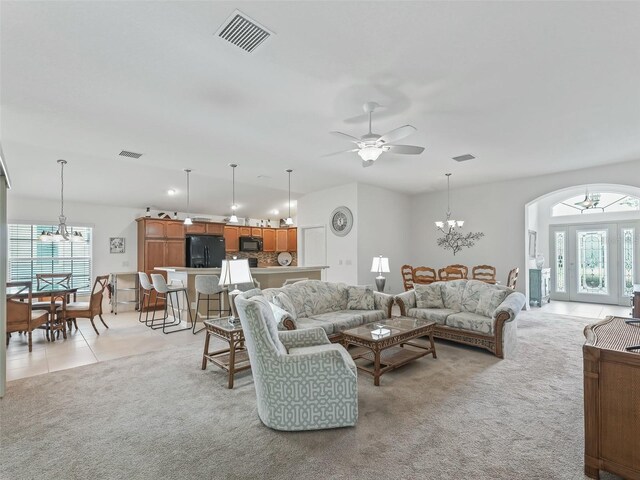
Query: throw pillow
[429,296]
[490,300]
[452,294]
[280,315]
[361,298]
[284,302]
[270,322]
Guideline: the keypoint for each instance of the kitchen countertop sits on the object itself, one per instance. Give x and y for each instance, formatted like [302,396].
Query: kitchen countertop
[258,270]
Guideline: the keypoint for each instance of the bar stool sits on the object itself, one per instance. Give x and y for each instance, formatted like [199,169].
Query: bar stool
[206,287]
[147,289]
[167,293]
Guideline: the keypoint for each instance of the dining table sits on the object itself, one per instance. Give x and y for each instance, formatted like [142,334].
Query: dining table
[54,293]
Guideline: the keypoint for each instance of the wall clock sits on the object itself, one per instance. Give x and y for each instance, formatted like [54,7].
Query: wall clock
[341,221]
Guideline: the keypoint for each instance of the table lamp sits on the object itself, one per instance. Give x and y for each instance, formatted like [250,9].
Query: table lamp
[234,272]
[380,265]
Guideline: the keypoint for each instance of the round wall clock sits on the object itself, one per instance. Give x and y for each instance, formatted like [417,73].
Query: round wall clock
[341,221]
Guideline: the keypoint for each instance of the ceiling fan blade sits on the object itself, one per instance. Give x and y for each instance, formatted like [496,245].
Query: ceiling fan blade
[397,134]
[404,149]
[342,151]
[346,136]
[368,163]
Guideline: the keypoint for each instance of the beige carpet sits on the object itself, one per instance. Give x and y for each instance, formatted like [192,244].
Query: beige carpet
[465,415]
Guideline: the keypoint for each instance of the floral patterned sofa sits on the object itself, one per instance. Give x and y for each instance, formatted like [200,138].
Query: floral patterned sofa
[334,307]
[468,311]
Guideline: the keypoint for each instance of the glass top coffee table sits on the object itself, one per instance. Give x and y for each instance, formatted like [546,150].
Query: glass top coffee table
[233,359]
[386,345]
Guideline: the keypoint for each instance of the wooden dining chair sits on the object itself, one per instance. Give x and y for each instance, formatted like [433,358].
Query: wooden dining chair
[407,276]
[512,278]
[484,273]
[447,274]
[51,279]
[20,316]
[89,309]
[424,275]
[463,268]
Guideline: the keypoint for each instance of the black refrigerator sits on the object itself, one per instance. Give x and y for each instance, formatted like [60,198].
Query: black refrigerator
[204,251]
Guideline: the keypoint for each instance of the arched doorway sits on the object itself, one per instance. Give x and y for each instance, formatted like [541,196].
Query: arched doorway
[588,236]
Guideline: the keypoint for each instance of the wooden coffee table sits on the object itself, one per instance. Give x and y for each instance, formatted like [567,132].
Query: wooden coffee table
[389,351]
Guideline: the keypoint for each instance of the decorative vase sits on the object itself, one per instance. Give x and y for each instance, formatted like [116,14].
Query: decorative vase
[539,261]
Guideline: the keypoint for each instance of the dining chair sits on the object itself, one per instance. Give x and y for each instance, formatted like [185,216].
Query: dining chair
[449,273]
[51,279]
[89,309]
[463,268]
[170,295]
[424,275]
[484,273]
[208,289]
[407,276]
[512,278]
[20,316]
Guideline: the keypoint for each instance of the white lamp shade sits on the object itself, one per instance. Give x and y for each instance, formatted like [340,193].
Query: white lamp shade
[187,221]
[380,264]
[234,272]
[440,224]
[233,218]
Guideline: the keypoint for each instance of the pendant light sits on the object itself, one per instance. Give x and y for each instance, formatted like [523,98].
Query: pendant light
[187,220]
[448,225]
[62,233]
[289,220]
[233,218]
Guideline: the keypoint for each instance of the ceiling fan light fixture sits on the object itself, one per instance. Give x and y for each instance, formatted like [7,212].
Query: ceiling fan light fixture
[370,153]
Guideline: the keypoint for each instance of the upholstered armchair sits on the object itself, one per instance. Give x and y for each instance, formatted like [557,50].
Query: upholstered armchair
[302,381]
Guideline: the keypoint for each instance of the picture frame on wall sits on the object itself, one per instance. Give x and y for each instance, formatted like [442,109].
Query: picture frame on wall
[533,238]
[116,245]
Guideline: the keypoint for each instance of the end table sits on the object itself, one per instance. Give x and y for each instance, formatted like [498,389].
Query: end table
[233,359]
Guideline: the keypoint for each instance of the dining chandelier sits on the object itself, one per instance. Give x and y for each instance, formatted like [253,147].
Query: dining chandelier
[448,224]
[62,233]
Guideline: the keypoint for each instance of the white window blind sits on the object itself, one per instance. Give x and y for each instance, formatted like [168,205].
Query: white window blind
[28,255]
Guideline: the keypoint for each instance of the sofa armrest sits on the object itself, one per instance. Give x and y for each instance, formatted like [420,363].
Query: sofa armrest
[510,307]
[306,337]
[384,302]
[406,301]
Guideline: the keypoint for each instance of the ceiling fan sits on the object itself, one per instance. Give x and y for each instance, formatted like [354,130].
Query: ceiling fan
[371,145]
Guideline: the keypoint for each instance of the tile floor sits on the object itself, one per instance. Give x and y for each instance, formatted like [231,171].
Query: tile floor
[126,336]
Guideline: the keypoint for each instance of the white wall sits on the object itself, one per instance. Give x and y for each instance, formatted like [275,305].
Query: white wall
[106,222]
[498,210]
[314,210]
[383,220]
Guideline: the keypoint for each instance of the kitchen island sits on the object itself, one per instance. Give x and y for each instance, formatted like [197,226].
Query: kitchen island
[268,277]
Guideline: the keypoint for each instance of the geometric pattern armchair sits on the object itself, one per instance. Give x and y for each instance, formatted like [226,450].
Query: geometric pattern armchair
[302,381]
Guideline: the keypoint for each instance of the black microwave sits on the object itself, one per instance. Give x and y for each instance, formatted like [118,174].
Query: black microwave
[250,244]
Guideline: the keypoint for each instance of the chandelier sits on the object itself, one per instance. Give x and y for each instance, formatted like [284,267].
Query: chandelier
[233,218]
[62,233]
[453,239]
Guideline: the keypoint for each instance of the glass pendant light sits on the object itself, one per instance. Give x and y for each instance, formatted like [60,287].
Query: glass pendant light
[289,220]
[187,220]
[233,218]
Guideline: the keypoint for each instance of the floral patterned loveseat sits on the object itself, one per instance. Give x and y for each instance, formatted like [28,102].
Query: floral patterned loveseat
[468,311]
[334,307]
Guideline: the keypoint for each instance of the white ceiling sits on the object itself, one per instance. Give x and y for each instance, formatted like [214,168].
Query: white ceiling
[527,87]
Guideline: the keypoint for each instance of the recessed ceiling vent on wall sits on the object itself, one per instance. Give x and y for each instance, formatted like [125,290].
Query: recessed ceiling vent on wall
[125,153]
[243,32]
[464,158]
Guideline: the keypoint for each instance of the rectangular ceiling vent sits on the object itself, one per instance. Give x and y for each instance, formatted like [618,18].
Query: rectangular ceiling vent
[243,32]
[464,158]
[125,153]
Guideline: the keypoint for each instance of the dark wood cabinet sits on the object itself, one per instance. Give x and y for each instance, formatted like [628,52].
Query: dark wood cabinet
[611,399]
[268,240]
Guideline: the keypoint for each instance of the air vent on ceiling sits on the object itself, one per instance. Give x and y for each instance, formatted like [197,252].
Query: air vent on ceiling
[243,32]
[464,158]
[125,153]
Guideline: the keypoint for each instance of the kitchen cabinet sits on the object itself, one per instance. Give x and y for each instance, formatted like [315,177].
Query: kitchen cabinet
[244,231]
[292,240]
[281,240]
[232,239]
[214,228]
[268,240]
[256,232]
[196,228]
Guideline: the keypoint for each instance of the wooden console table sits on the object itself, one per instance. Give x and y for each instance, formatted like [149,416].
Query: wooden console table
[612,399]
